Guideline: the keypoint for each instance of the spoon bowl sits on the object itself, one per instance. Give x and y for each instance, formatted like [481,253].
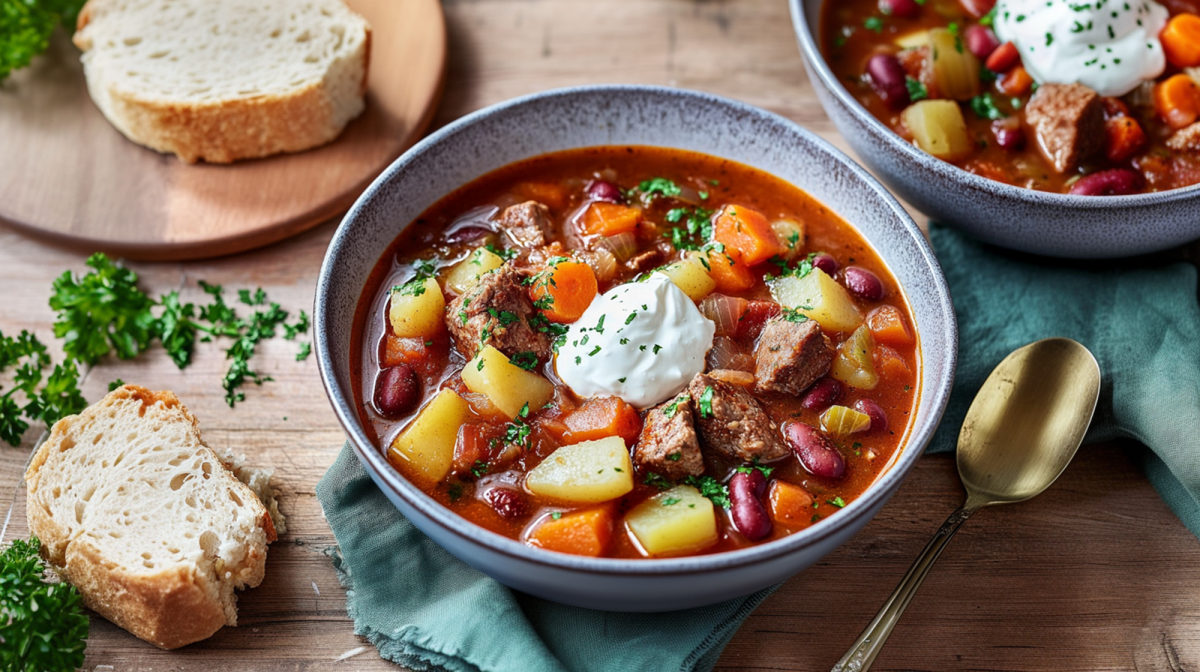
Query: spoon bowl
[1024,426]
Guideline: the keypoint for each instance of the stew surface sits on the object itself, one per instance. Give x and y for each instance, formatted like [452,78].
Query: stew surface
[1074,96]
[636,352]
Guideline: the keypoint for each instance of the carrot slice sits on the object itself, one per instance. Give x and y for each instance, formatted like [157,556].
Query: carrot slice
[584,532]
[1123,137]
[565,290]
[610,219]
[746,235]
[890,365]
[1178,100]
[1016,82]
[790,505]
[601,417]
[887,325]
[1181,40]
[731,275]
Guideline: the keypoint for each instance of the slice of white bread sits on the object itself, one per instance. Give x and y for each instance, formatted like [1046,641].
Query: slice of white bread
[145,520]
[222,80]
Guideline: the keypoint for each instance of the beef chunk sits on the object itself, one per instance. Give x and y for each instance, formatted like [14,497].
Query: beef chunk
[644,261]
[668,445]
[528,224]
[1186,138]
[496,312]
[732,422]
[1068,121]
[791,356]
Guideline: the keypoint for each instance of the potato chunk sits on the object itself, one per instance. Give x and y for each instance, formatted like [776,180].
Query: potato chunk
[939,128]
[672,522]
[466,273]
[506,385]
[955,69]
[592,471]
[820,298]
[416,310]
[689,275]
[854,363]
[427,444]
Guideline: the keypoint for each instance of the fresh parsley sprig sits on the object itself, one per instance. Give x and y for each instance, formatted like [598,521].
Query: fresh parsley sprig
[42,625]
[25,28]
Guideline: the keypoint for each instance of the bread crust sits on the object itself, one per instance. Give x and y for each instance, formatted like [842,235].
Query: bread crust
[170,608]
[226,131]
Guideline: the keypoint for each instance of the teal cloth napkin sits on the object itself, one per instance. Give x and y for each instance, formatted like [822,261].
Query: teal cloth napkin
[424,609]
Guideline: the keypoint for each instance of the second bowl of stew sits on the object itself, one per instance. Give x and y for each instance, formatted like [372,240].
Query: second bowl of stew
[1060,128]
[633,348]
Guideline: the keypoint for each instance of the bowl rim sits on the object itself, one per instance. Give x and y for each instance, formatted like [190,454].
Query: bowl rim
[811,51]
[385,475]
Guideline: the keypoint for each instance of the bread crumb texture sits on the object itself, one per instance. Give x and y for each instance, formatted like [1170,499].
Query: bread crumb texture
[223,80]
[148,522]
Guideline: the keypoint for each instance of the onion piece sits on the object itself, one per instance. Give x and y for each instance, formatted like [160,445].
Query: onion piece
[725,311]
[740,378]
[602,262]
[791,234]
[727,354]
[623,245]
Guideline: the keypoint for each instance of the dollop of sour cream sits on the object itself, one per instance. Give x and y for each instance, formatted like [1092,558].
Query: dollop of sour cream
[1110,46]
[641,341]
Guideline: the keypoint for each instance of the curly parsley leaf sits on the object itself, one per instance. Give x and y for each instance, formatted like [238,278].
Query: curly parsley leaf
[42,624]
[26,26]
[103,310]
[716,491]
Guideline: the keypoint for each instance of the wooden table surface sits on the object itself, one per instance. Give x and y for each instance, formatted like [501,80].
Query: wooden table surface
[1096,574]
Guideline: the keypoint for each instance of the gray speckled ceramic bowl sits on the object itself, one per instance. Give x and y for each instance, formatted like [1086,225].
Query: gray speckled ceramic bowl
[601,115]
[1087,227]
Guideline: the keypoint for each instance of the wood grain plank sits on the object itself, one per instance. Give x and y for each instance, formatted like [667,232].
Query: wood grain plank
[1096,574]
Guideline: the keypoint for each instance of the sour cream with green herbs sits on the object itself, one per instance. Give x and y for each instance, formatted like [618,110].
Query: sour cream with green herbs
[1110,46]
[641,341]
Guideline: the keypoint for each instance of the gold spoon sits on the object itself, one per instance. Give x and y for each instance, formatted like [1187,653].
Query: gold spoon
[1022,430]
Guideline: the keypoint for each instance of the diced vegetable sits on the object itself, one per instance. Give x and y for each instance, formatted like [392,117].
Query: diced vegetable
[791,234]
[733,377]
[955,68]
[725,311]
[819,297]
[411,351]
[427,445]
[416,309]
[1016,82]
[731,276]
[913,40]
[472,447]
[939,128]
[888,325]
[565,290]
[466,273]
[789,505]
[584,532]
[678,520]
[746,234]
[854,363]
[1004,58]
[505,384]
[1178,100]
[689,275]
[602,417]
[547,193]
[1123,137]
[839,421]
[609,219]
[623,246]
[592,471]
[604,263]
[890,364]
[1181,40]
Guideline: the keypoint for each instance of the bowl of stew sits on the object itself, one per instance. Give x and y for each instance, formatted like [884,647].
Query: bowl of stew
[1061,127]
[633,348]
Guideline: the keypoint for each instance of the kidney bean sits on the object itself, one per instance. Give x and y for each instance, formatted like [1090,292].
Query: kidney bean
[905,9]
[1009,134]
[823,394]
[1115,182]
[887,77]
[397,391]
[879,421]
[977,8]
[749,514]
[507,502]
[1003,58]
[466,234]
[980,40]
[816,453]
[826,263]
[601,190]
[863,283]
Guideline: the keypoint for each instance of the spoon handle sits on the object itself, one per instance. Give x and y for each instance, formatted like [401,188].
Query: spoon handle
[862,654]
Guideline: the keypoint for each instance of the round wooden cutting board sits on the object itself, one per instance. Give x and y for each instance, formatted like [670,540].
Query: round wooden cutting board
[66,175]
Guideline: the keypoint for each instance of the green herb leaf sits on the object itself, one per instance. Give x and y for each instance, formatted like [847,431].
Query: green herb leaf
[916,90]
[985,106]
[716,491]
[705,402]
[42,625]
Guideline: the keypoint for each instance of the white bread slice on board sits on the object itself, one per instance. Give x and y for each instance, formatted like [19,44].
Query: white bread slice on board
[144,519]
[222,80]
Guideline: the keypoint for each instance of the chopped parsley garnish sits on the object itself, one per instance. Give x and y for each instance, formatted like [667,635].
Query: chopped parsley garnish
[479,469]
[658,185]
[985,106]
[792,315]
[747,468]
[916,90]
[631,317]
[873,23]
[414,287]
[526,360]
[653,479]
[657,347]
[556,515]
[674,457]
[500,252]
[705,402]
[504,316]
[670,409]
[671,501]
[697,227]
[800,270]
[837,501]
[621,380]
[454,491]
[716,491]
